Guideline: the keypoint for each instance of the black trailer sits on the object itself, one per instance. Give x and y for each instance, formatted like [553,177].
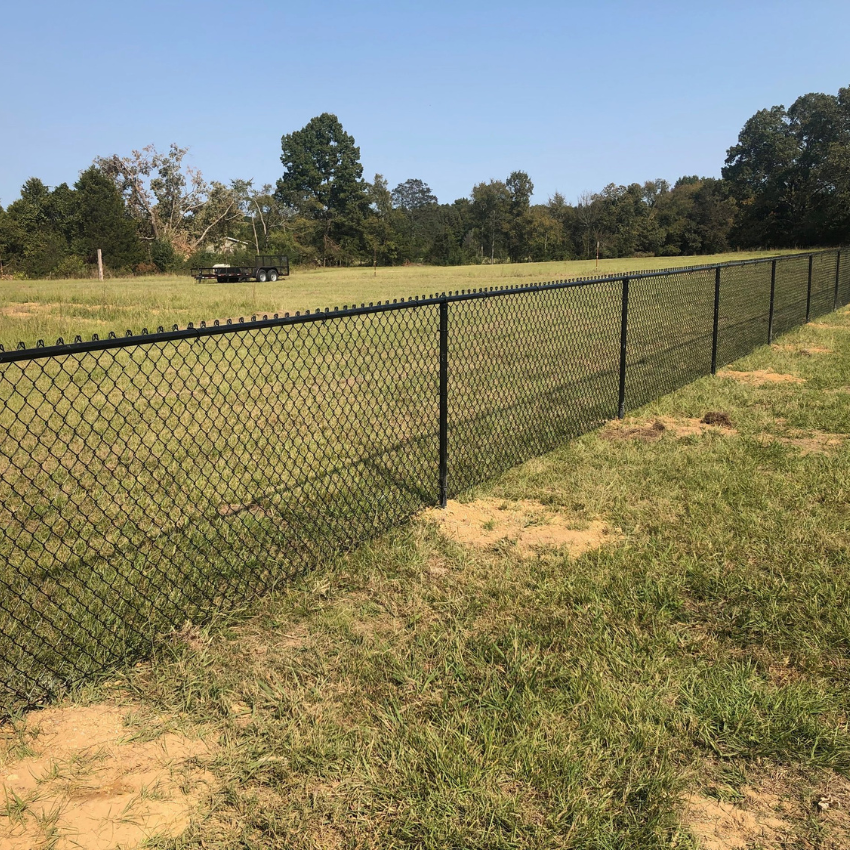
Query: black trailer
[266,267]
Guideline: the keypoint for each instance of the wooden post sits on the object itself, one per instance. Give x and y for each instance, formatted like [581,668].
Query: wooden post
[99,265]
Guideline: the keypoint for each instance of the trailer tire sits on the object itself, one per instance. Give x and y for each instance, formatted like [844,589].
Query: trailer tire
[261,275]
[272,275]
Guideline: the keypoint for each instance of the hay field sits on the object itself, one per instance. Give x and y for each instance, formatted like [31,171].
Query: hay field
[37,309]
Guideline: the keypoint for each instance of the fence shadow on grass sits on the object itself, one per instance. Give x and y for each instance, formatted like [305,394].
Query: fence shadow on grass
[149,480]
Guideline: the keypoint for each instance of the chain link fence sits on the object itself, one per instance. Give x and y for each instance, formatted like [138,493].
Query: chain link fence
[154,479]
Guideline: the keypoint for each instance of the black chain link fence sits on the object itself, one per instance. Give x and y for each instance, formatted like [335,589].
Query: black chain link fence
[150,480]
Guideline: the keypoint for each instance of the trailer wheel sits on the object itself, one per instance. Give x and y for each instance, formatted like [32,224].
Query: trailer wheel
[261,275]
[272,275]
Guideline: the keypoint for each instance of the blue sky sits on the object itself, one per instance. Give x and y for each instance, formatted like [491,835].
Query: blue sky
[577,94]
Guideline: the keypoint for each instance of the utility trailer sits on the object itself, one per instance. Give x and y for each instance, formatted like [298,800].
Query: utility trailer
[265,268]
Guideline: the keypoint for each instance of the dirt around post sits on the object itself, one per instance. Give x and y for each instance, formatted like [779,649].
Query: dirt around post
[525,525]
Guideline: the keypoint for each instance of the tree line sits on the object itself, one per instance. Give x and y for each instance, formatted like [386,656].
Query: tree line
[785,183]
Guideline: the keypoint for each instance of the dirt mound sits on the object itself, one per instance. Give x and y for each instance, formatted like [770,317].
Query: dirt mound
[761,376]
[78,777]
[650,431]
[526,525]
[717,417]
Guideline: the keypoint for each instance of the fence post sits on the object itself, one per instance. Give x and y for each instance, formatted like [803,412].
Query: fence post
[624,324]
[444,402]
[716,320]
[772,293]
[837,270]
[809,290]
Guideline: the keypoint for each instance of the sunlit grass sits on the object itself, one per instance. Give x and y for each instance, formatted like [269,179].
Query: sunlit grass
[418,693]
[33,310]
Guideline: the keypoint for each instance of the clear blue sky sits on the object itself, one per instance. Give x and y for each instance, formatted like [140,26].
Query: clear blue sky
[577,94]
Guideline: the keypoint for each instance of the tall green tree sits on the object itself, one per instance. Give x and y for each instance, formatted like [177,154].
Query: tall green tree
[40,227]
[491,214]
[100,220]
[323,180]
[787,173]
[519,226]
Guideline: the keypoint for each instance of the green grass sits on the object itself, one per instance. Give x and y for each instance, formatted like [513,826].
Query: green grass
[47,310]
[146,485]
[416,693]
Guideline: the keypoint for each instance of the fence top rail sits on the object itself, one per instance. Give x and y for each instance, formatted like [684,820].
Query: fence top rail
[228,326]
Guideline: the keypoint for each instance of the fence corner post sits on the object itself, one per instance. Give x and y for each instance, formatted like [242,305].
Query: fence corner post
[624,327]
[716,321]
[444,402]
[772,294]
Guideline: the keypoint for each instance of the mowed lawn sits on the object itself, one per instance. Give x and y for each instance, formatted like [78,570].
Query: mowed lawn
[682,683]
[33,310]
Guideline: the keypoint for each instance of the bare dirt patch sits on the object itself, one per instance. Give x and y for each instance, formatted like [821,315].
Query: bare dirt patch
[761,376]
[80,776]
[526,525]
[803,350]
[728,826]
[777,810]
[650,431]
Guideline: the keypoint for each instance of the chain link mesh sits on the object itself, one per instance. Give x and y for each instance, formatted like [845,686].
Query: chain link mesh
[670,324]
[528,371]
[157,479]
[791,287]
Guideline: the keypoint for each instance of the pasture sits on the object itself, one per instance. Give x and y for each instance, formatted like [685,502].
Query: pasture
[146,485]
[681,683]
[33,310]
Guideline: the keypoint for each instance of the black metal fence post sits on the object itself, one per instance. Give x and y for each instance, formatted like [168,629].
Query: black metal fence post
[772,293]
[624,324]
[444,403]
[716,321]
[837,270]
[809,290]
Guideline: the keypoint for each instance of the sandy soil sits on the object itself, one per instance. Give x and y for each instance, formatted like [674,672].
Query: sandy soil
[761,376]
[771,812]
[526,525]
[87,777]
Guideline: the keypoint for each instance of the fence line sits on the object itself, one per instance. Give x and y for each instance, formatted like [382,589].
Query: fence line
[149,480]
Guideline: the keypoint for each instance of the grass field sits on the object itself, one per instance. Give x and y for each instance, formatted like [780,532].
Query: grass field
[145,485]
[33,310]
[684,684]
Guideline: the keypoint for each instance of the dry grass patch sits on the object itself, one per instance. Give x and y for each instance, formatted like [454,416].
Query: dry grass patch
[809,442]
[526,525]
[801,349]
[761,376]
[88,776]
[676,427]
